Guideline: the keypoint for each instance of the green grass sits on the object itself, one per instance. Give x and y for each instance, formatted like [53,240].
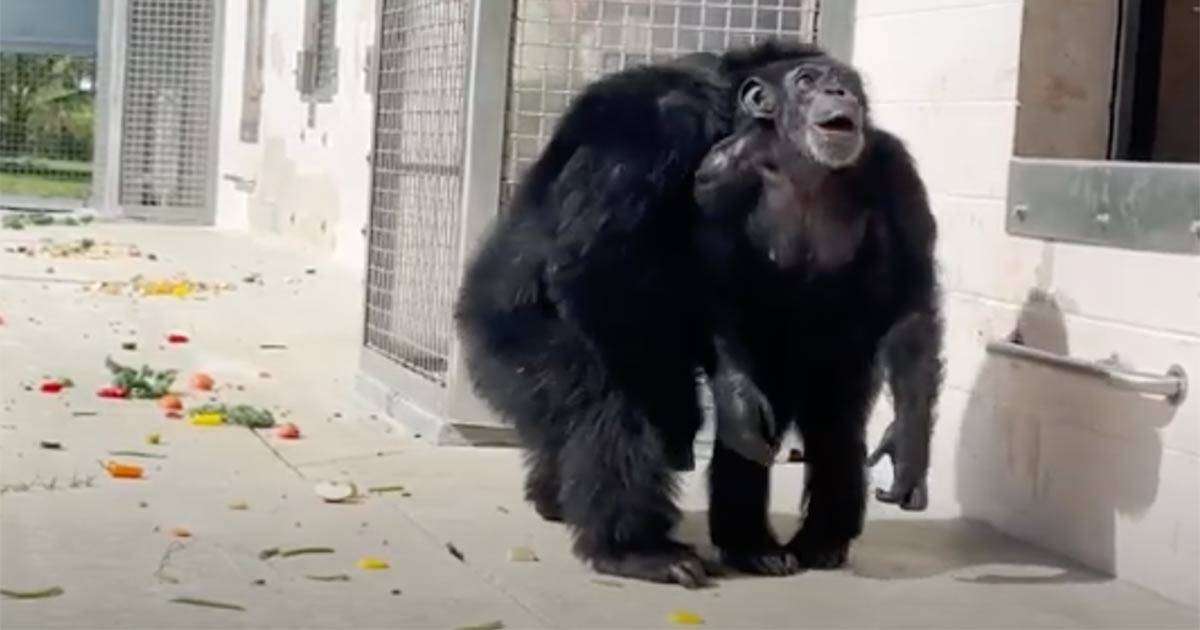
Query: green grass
[31,185]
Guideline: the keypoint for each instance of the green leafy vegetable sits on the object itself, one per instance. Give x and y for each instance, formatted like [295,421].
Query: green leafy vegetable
[340,577]
[144,383]
[303,551]
[192,601]
[53,591]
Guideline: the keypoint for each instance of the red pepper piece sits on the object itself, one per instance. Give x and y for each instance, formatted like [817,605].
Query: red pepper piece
[177,338]
[112,392]
[52,387]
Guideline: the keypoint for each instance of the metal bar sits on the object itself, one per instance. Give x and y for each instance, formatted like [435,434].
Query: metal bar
[1172,386]
[1121,121]
[835,27]
[487,89]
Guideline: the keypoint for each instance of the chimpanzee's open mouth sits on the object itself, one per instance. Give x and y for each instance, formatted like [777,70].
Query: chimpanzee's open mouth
[839,124]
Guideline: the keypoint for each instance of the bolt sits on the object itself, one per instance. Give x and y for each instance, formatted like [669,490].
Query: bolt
[1103,218]
[1020,212]
[1196,228]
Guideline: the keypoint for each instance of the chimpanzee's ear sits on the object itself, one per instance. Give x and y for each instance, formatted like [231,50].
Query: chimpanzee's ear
[757,99]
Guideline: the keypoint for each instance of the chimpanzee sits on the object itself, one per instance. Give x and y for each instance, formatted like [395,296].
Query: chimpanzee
[581,315]
[816,244]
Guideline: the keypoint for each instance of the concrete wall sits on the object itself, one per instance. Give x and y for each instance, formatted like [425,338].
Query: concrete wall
[307,177]
[1105,477]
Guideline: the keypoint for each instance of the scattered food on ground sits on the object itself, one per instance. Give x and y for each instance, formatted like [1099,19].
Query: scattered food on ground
[207,418]
[140,383]
[239,505]
[129,345]
[208,603]
[177,287]
[177,337]
[83,414]
[181,532]
[288,431]
[336,491]
[371,563]
[340,577]
[243,415]
[50,446]
[267,554]
[685,618]
[501,509]
[51,387]
[395,591]
[21,220]
[112,392]
[455,552]
[154,439]
[522,554]
[303,551]
[137,454]
[259,582]
[202,382]
[53,591]
[487,625]
[170,402]
[385,489]
[123,471]
[607,582]
[272,346]
[86,248]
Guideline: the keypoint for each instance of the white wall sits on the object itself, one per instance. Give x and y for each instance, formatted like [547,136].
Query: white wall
[310,182]
[1105,477]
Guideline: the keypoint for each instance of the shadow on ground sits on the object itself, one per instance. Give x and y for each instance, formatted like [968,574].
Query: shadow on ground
[965,550]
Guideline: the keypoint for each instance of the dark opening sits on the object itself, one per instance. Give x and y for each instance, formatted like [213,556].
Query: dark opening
[1157,108]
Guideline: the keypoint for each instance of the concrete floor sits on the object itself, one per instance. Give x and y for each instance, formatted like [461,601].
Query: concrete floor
[104,543]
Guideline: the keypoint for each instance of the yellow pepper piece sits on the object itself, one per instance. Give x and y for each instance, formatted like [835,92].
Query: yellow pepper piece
[370,563]
[685,618]
[211,419]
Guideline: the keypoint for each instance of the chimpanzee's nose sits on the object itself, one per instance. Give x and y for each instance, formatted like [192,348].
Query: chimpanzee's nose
[835,90]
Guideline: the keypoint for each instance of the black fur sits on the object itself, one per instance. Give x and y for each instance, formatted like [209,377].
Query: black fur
[580,314]
[808,268]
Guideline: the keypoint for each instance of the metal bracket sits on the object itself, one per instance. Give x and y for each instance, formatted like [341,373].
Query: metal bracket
[1131,205]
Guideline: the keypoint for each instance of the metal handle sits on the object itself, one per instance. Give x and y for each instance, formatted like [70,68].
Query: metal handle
[1172,386]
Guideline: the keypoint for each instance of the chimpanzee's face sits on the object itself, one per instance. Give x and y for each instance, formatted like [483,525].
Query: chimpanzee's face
[818,107]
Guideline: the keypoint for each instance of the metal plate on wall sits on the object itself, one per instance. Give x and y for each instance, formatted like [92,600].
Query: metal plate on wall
[1130,205]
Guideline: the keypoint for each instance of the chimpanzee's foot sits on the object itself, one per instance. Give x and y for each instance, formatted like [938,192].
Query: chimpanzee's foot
[674,565]
[766,561]
[812,553]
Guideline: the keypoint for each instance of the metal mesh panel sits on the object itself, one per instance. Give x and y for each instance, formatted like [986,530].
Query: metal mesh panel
[416,183]
[561,45]
[325,45]
[46,125]
[165,151]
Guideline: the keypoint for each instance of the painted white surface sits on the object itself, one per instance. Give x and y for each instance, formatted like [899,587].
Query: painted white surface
[1102,476]
[310,182]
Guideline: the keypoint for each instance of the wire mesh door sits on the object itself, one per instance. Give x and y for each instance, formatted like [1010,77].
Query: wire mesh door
[168,113]
[416,182]
[559,46]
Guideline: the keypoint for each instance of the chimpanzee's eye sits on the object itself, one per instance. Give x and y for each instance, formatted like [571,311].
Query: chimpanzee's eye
[806,77]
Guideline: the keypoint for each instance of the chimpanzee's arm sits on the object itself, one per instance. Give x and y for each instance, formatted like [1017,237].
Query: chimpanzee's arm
[912,349]
[912,355]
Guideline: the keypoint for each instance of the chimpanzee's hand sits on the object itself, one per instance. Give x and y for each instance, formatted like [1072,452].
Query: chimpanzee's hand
[909,469]
[745,421]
